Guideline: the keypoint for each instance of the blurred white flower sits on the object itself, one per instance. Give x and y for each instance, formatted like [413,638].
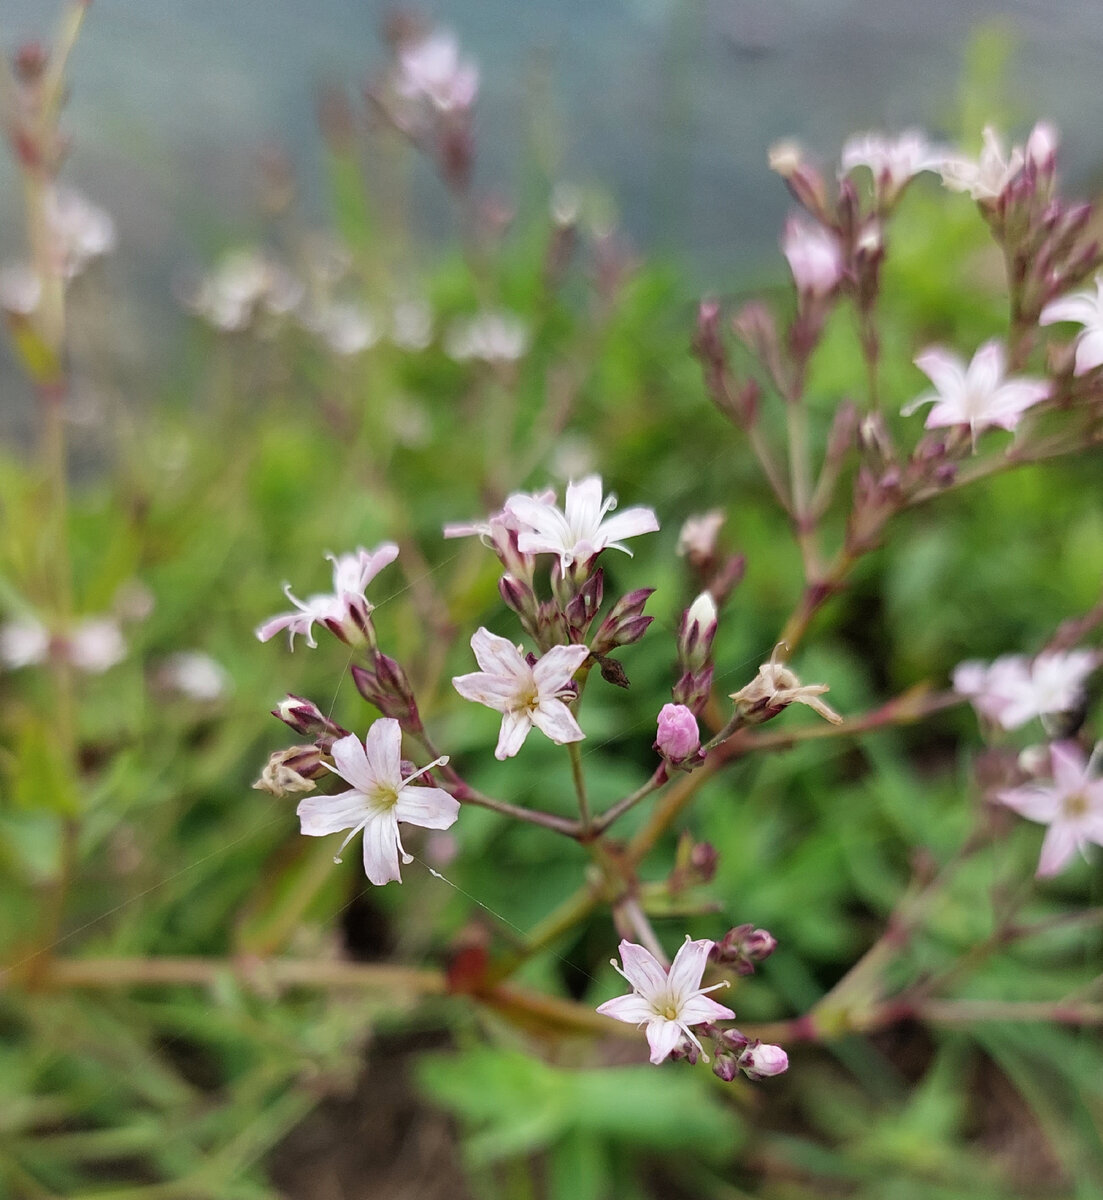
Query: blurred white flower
[493,337]
[345,326]
[987,176]
[23,643]
[95,644]
[193,674]
[1014,689]
[893,161]
[412,325]
[431,69]
[20,289]
[243,282]
[81,230]
[814,255]
[1084,308]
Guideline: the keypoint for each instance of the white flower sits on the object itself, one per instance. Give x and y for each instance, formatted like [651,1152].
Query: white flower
[346,611]
[979,395]
[23,643]
[193,674]
[1072,807]
[986,177]
[667,1002]
[492,337]
[412,325]
[378,799]
[345,326]
[431,69]
[814,255]
[1013,689]
[892,161]
[524,695]
[95,644]
[20,289]
[1085,308]
[581,532]
[81,231]
[697,538]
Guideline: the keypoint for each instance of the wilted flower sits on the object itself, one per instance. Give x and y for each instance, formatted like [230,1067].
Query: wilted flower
[377,801]
[346,611]
[678,736]
[491,337]
[525,695]
[580,532]
[1085,308]
[431,69]
[667,1002]
[291,771]
[814,255]
[774,688]
[1014,689]
[1072,807]
[979,395]
[892,161]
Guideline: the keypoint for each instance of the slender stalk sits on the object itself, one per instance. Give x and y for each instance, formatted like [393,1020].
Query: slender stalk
[617,810]
[580,789]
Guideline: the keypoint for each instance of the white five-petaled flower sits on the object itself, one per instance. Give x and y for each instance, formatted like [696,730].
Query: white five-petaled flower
[1072,807]
[1014,689]
[524,695]
[377,800]
[580,531]
[345,611]
[1085,308]
[667,1002]
[431,69]
[987,176]
[978,395]
[892,161]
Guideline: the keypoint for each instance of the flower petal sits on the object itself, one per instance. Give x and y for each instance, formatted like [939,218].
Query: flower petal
[1089,351]
[498,655]
[702,1008]
[491,690]
[632,1009]
[429,807]
[515,728]
[557,667]
[321,815]
[1033,801]
[642,970]
[630,523]
[351,762]
[663,1037]
[687,968]
[553,718]
[1058,846]
[944,369]
[381,847]
[1070,767]
[383,748]
[1081,307]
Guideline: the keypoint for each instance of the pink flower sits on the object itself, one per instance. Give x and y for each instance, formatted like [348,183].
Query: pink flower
[678,735]
[1014,689]
[378,799]
[345,612]
[1072,807]
[524,695]
[431,69]
[1085,308]
[814,255]
[978,395]
[667,1002]
[580,532]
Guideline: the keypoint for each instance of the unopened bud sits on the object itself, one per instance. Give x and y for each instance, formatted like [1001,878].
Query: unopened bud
[740,948]
[725,1067]
[697,539]
[678,737]
[625,624]
[584,606]
[696,633]
[760,1060]
[385,685]
[305,717]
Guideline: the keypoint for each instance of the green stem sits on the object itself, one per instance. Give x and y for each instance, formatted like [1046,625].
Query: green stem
[580,788]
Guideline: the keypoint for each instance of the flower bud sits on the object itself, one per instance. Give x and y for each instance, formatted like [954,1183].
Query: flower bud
[625,624]
[385,685]
[725,1067]
[740,948]
[583,607]
[814,256]
[678,736]
[761,1060]
[291,771]
[697,631]
[697,539]
[306,718]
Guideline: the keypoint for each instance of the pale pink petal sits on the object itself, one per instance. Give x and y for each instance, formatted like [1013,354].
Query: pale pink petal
[986,370]
[553,718]
[1081,307]
[381,848]
[1089,351]
[321,815]
[515,728]
[352,763]
[642,969]
[383,747]
[1070,767]
[944,369]
[429,807]
[558,666]
[497,655]
[632,1009]
[663,1037]
[630,523]
[491,690]
[583,506]
[294,623]
[688,967]
[1058,846]
[702,1008]
[1033,801]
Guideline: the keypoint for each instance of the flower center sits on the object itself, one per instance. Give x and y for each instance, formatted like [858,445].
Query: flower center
[385,798]
[1076,805]
[668,1009]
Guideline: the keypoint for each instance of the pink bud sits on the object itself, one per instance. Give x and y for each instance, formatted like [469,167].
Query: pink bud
[814,257]
[678,735]
[760,1061]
